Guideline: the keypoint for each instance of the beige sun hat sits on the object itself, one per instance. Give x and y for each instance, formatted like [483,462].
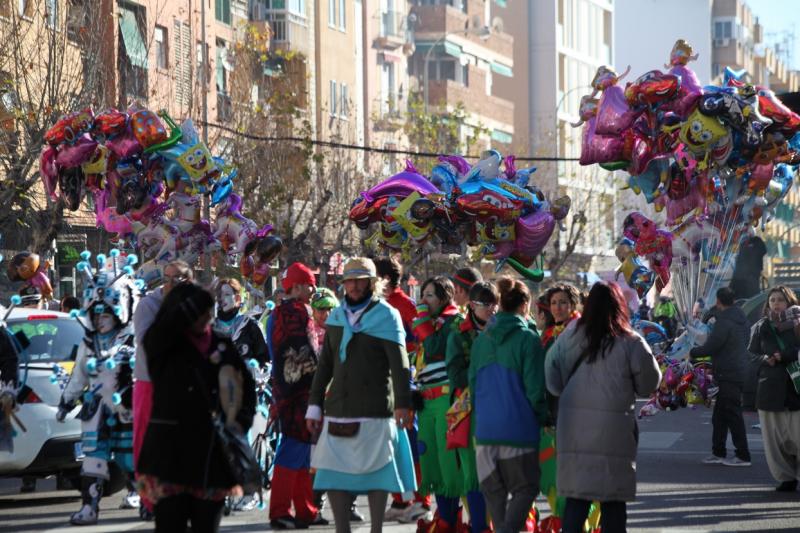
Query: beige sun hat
[359,268]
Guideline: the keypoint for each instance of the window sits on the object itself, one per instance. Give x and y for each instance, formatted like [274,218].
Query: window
[222,11]
[297,6]
[221,66]
[160,37]
[342,13]
[203,67]
[345,107]
[51,12]
[333,97]
[182,45]
[723,30]
[332,13]
[25,8]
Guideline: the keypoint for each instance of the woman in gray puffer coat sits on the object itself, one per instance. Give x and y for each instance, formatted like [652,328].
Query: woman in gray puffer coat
[597,367]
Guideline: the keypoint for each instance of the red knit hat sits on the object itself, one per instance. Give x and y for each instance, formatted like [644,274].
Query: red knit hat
[296,274]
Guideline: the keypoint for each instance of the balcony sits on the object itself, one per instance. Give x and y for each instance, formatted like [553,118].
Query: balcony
[387,115]
[449,93]
[392,33]
[435,21]
[289,32]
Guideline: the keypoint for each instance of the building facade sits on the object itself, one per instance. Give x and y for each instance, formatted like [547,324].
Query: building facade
[558,47]
[461,50]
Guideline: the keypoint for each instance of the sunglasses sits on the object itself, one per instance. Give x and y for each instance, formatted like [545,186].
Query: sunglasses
[484,304]
[174,279]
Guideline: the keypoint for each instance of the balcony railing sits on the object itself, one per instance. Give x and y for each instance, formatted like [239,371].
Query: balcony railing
[277,22]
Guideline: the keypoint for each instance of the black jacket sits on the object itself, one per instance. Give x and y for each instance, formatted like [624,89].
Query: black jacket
[775,389]
[727,344]
[179,445]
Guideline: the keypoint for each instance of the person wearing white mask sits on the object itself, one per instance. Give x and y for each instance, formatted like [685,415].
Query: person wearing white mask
[241,328]
[102,380]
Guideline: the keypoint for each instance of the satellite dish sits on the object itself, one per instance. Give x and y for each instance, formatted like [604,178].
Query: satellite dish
[497,25]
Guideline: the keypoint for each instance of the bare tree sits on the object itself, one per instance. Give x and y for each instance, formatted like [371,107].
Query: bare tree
[52,58]
[304,189]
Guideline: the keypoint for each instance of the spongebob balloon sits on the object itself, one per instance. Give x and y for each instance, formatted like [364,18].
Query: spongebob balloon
[700,134]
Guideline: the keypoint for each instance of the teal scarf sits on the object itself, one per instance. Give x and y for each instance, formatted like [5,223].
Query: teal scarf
[381,321]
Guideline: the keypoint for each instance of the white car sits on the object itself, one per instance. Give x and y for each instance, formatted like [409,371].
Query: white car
[47,447]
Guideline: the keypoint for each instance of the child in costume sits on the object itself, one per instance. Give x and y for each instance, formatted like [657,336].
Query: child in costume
[102,378]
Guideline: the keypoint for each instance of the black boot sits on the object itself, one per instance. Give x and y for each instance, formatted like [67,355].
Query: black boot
[91,492]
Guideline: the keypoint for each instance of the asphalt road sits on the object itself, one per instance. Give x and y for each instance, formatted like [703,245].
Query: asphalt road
[676,493]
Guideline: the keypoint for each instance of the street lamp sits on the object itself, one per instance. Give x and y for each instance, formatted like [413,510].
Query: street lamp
[483,32]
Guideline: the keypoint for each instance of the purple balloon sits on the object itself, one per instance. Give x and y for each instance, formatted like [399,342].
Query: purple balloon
[73,155]
[614,115]
[597,148]
[400,185]
[461,165]
[531,235]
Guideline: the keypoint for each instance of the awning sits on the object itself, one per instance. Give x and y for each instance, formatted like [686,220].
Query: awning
[134,44]
[501,69]
[388,57]
[448,48]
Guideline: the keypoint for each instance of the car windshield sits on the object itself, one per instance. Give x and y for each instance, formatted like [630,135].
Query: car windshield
[51,339]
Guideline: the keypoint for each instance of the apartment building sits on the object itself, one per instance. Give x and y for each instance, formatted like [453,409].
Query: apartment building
[557,47]
[388,43]
[465,49]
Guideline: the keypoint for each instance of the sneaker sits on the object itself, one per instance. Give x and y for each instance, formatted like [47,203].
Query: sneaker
[284,522]
[246,503]
[395,511]
[713,460]
[414,512]
[355,516]
[130,500]
[735,461]
[787,486]
[320,520]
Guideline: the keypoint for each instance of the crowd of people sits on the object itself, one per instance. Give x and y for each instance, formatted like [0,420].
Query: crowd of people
[479,398]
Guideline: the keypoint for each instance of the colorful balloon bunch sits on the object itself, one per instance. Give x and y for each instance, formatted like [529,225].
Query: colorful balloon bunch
[717,159]
[146,176]
[491,206]
[683,384]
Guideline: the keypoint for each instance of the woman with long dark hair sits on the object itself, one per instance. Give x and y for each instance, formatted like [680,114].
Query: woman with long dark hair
[194,372]
[773,344]
[597,367]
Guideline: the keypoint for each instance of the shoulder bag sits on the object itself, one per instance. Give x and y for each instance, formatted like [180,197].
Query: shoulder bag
[792,368]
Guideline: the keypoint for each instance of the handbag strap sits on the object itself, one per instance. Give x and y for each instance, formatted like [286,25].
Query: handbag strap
[781,344]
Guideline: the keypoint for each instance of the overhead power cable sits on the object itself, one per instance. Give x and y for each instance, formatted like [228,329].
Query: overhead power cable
[371,149]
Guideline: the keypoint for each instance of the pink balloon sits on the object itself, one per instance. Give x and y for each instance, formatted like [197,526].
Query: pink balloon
[532,233]
[614,115]
[124,145]
[689,93]
[597,148]
[49,172]
[74,155]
